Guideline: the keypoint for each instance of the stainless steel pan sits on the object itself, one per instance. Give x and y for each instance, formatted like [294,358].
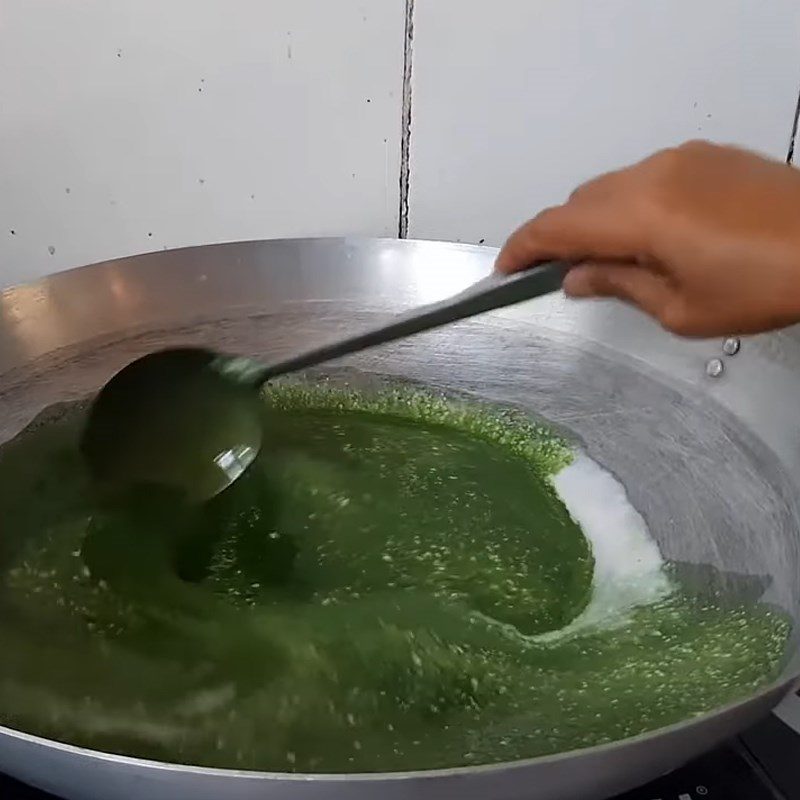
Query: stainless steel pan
[728,445]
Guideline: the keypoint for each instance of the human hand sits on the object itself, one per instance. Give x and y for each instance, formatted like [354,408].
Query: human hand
[704,238]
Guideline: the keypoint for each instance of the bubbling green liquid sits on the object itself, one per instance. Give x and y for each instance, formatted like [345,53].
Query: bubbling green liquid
[373,595]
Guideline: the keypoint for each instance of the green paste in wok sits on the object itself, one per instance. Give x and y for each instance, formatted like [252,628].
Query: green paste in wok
[384,591]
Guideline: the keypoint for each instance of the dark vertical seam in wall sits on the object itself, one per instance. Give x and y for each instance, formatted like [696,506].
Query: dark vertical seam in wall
[405,133]
[793,139]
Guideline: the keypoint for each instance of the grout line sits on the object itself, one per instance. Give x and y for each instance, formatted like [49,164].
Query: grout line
[793,138]
[405,134]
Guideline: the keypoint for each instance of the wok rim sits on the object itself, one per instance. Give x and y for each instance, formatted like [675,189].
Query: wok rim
[782,687]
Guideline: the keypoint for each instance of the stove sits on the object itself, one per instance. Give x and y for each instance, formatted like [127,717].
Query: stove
[762,764]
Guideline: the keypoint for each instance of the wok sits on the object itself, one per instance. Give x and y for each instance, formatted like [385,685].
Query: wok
[710,457]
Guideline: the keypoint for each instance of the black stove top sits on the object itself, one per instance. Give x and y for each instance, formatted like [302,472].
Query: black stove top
[764,764]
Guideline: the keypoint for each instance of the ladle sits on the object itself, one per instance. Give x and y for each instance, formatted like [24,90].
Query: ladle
[190,419]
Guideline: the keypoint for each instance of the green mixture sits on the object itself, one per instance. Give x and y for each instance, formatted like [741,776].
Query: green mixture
[369,597]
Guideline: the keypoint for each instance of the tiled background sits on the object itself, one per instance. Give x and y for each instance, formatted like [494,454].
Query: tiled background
[134,125]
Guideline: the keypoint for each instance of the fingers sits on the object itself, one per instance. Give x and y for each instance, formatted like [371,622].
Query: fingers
[577,231]
[640,286]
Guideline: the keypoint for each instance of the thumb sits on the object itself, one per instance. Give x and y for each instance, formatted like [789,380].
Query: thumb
[638,285]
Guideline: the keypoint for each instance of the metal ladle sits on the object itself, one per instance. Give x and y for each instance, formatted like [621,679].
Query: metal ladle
[190,419]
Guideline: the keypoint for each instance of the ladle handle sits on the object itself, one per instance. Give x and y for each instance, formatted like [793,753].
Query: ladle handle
[494,291]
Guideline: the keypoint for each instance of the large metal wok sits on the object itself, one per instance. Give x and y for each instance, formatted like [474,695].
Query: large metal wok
[711,460]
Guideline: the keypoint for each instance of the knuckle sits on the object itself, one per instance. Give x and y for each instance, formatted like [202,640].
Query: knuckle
[666,162]
[673,158]
[542,226]
[663,189]
[664,158]
[545,216]
[589,188]
[696,146]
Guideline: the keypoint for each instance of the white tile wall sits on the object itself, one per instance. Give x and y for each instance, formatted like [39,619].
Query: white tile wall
[131,125]
[517,101]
